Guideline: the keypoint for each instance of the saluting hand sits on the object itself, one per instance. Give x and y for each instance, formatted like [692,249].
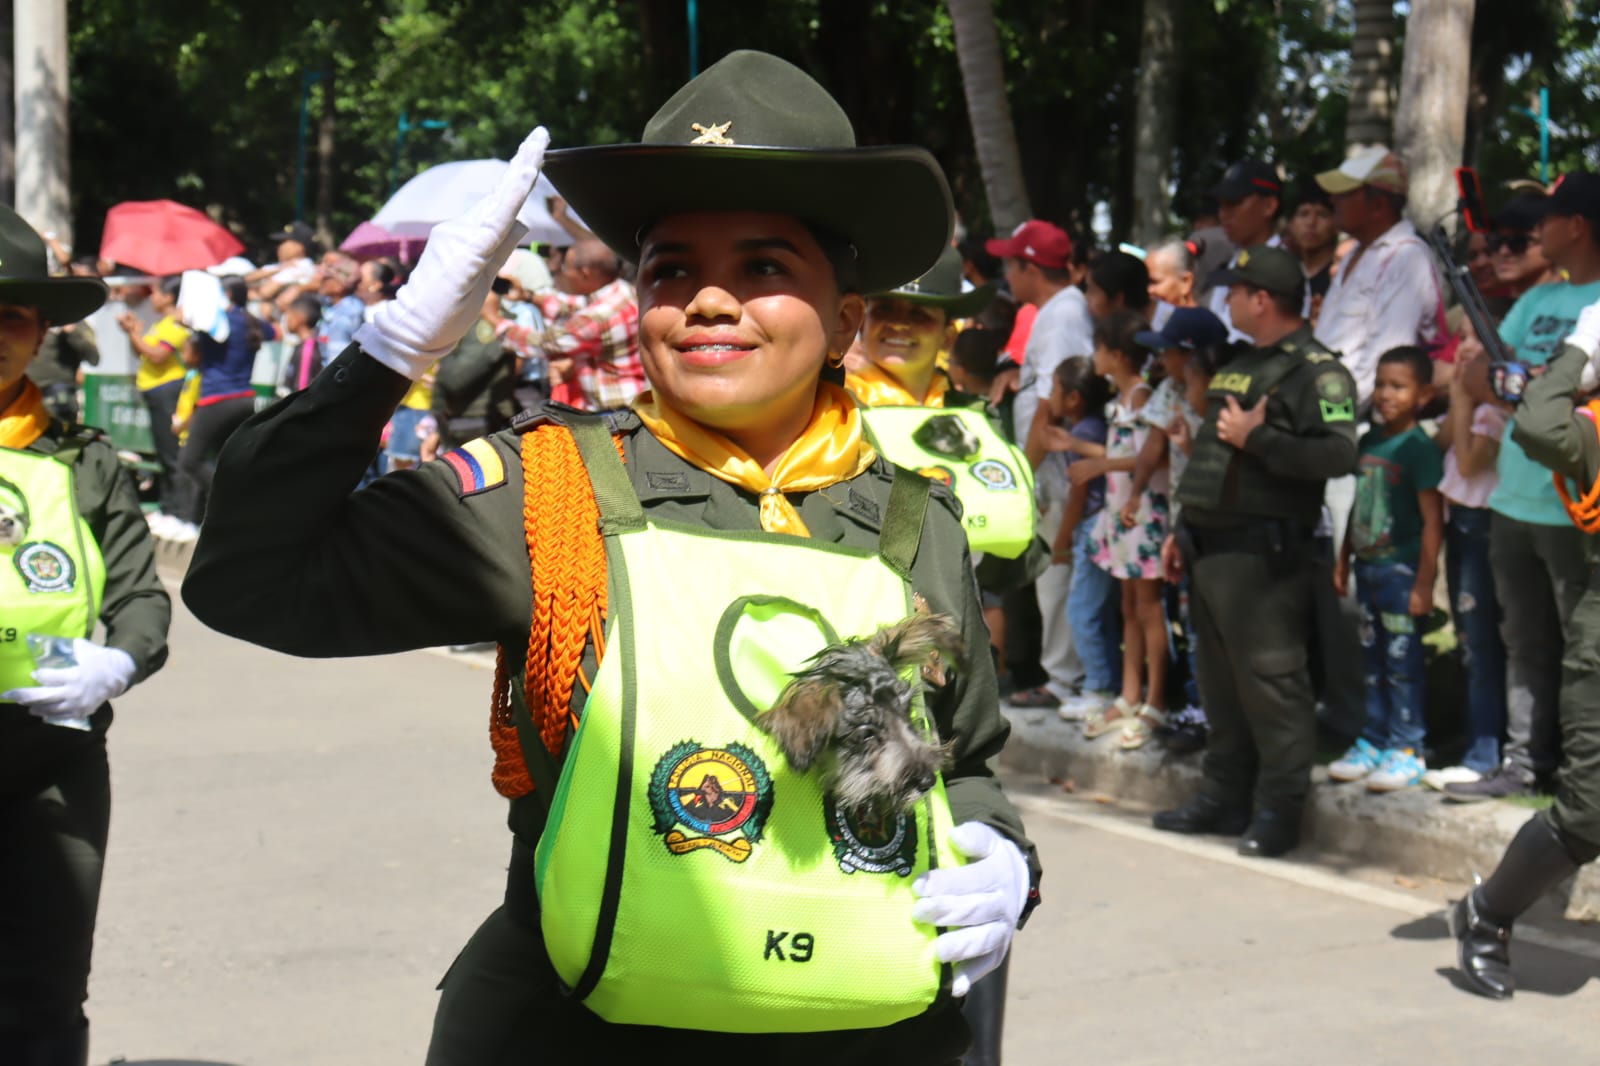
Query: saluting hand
[1236,423]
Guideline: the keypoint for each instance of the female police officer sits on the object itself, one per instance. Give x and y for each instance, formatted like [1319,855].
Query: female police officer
[77,552]
[673,883]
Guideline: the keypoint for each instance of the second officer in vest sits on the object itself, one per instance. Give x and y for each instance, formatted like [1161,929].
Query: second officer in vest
[1280,421]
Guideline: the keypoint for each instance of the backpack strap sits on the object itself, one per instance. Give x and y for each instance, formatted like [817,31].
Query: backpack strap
[620,510]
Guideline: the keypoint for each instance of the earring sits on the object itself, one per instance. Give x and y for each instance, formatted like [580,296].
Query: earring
[835,360]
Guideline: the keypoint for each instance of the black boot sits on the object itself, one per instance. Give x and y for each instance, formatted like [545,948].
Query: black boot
[66,1047]
[1536,860]
[1203,814]
[1271,833]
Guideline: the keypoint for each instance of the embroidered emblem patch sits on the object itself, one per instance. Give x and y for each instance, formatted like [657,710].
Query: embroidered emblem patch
[477,467]
[716,133]
[947,435]
[1333,396]
[995,475]
[881,845]
[702,796]
[942,474]
[45,567]
[667,481]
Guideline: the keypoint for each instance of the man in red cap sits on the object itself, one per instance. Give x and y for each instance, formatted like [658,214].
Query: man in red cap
[1037,261]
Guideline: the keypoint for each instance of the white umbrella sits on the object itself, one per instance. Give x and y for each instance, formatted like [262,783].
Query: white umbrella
[445,191]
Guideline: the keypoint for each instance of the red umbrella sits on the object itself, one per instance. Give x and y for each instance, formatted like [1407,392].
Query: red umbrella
[164,237]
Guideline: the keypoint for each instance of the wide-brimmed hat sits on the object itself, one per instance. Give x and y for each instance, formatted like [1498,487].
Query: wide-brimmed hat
[941,287]
[755,133]
[25,277]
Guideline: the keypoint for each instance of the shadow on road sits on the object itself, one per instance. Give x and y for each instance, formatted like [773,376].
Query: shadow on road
[120,1061]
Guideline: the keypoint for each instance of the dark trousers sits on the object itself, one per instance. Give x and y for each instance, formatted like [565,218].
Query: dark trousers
[162,403]
[53,822]
[1539,576]
[1023,643]
[1251,630]
[209,430]
[501,1004]
[1577,808]
[1476,610]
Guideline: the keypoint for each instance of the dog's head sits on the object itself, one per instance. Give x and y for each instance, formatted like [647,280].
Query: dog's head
[947,435]
[13,526]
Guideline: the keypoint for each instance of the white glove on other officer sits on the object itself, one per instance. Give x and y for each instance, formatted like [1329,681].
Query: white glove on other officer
[1585,336]
[978,903]
[68,695]
[445,294]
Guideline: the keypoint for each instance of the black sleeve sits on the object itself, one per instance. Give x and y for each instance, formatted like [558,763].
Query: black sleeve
[1322,441]
[293,557]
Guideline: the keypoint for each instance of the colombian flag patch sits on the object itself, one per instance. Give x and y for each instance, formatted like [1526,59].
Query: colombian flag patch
[477,467]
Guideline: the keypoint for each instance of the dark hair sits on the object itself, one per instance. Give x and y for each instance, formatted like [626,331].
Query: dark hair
[1412,356]
[1000,315]
[238,292]
[1076,374]
[1121,274]
[972,249]
[309,306]
[977,351]
[1309,192]
[171,284]
[388,277]
[1211,358]
[1116,332]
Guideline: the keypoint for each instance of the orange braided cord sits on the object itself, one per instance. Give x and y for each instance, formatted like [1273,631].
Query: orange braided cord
[568,562]
[1585,512]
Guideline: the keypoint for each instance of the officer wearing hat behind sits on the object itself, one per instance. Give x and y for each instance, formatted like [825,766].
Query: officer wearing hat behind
[74,552]
[1280,421]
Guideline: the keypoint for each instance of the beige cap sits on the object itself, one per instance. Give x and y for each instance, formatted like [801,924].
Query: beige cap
[1375,166]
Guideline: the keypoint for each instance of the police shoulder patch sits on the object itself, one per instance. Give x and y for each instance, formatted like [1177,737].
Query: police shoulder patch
[477,467]
[1334,397]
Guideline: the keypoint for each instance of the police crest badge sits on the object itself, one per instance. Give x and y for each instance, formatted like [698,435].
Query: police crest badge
[877,844]
[702,796]
[45,567]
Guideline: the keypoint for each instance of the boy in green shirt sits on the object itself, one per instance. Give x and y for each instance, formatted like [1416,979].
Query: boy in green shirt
[1394,534]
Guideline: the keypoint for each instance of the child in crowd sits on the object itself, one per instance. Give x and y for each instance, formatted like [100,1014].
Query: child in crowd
[1130,553]
[306,355]
[1077,430]
[1395,531]
[1471,436]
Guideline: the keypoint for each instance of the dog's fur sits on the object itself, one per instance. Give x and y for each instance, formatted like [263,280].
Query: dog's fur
[947,435]
[13,526]
[850,715]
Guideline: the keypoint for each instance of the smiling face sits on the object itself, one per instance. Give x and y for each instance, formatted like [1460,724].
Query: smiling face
[1397,395]
[738,312]
[905,338]
[21,332]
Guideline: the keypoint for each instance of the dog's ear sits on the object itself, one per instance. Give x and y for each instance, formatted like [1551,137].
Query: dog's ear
[921,640]
[804,718]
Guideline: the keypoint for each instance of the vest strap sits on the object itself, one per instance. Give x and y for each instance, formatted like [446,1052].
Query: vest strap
[542,768]
[902,524]
[620,510]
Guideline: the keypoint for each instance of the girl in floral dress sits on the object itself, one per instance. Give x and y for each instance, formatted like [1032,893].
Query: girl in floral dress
[1130,552]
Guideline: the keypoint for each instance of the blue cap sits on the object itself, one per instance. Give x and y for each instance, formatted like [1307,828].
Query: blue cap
[1188,328]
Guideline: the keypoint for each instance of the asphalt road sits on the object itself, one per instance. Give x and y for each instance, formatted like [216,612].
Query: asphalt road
[298,849]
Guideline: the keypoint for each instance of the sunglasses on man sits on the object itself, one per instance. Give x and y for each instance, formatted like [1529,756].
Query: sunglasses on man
[1515,243]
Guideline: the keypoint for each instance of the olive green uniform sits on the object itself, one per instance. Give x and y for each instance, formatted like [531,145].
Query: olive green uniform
[55,792]
[1248,519]
[292,560]
[473,389]
[55,367]
[1553,435]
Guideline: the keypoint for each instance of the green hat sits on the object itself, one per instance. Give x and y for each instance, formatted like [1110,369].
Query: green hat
[1265,267]
[25,277]
[754,133]
[941,287]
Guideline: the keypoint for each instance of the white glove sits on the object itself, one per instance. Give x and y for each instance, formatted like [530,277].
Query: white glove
[445,294]
[68,695]
[978,903]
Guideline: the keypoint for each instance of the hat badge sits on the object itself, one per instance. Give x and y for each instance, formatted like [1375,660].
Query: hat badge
[716,133]
[1244,258]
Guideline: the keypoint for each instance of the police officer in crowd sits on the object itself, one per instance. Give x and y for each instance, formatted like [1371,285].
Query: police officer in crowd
[74,552]
[1280,421]
[1559,433]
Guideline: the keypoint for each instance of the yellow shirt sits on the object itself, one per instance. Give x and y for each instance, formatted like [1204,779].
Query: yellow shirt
[419,397]
[171,333]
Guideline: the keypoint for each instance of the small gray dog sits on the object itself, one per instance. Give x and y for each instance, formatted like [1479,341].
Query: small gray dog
[13,526]
[850,713]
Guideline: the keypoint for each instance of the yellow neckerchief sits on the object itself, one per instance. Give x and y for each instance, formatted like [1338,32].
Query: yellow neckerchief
[874,386]
[832,449]
[25,420]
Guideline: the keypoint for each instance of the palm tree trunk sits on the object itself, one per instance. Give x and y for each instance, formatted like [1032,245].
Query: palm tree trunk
[1371,75]
[1431,121]
[993,135]
[1152,160]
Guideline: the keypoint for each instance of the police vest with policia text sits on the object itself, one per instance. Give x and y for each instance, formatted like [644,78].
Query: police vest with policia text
[52,574]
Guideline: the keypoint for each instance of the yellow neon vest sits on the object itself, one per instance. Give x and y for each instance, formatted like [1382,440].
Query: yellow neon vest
[993,481]
[688,877]
[53,577]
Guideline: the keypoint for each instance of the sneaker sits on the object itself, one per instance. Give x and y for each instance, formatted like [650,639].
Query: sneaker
[1438,780]
[1400,768]
[1078,708]
[1357,763]
[1506,781]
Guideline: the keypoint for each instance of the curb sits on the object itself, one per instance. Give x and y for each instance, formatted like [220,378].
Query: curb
[1413,831]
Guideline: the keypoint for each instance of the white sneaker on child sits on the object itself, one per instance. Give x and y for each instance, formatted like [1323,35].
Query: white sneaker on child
[1399,769]
[1450,775]
[1080,708]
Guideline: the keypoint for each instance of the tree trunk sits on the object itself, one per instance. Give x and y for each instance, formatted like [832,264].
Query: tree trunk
[993,136]
[40,63]
[326,124]
[1431,121]
[8,156]
[1157,107]
[1371,75]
